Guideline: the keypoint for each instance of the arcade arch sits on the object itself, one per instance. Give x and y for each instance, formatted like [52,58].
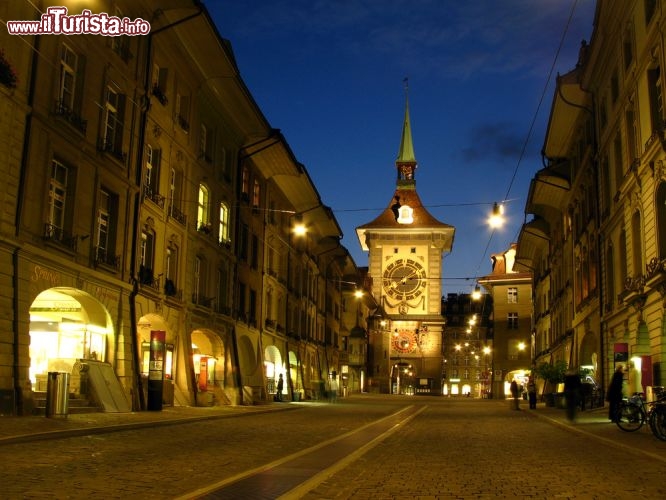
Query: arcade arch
[66,325]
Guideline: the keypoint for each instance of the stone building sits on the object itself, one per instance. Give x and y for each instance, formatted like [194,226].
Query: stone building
[597,238]
[146,226]
[405,244]
[511,294]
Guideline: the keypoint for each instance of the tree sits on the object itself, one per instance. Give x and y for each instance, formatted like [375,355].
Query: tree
[552,373]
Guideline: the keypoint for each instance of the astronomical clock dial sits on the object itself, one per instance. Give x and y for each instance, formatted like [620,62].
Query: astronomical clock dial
[404,279]
[404,341]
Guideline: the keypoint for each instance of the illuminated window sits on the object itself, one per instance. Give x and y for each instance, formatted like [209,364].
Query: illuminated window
[224,223]
[202,208]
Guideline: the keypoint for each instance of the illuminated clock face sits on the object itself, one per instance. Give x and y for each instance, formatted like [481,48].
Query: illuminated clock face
[404,342]
[404,279]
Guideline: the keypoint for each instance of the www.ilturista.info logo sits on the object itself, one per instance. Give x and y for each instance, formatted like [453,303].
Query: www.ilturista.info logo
[56,21]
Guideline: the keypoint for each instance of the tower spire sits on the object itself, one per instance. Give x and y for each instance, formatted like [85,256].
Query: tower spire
[406,161]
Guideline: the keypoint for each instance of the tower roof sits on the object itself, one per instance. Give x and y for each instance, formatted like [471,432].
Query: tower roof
[405,211]
[406,151]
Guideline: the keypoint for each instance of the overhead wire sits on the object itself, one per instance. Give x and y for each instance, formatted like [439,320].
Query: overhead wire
[532,124]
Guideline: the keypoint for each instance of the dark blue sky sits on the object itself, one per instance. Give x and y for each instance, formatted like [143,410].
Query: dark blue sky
[329,74]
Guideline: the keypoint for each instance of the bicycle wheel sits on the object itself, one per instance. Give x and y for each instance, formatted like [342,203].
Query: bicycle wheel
[658,421]
[630,418]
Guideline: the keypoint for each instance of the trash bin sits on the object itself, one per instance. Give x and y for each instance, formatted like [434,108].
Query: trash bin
[57,394]
[344,392]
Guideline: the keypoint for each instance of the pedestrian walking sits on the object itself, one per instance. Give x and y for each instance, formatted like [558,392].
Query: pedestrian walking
[614,394]
[572,387]
[515,393]
[531,393]
[280,386]
[333,390]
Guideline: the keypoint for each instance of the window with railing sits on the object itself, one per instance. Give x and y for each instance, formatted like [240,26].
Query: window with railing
[114,110]
[171,271]
[147,259]
[58,195]
[183,112]
[159,81]
[151,181]
[223,229]
[107,220]
[175,190]
[71,80]
[203,217]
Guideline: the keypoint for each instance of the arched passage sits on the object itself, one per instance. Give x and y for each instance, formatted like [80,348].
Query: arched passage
[208,359]
[66,325]
[273,367]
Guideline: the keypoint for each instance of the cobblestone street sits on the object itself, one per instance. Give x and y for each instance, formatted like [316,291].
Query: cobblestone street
[446,449]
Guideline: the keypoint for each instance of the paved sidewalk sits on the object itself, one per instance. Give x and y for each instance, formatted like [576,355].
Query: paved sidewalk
[34,428]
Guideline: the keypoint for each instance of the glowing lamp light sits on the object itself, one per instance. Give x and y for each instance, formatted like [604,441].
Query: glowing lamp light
[476,294]
[300,229]
[496,219]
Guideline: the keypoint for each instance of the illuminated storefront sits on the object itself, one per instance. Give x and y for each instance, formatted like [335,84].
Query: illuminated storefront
[66,325]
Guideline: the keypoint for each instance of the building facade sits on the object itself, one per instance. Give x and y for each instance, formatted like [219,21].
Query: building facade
[147,220]
[405,245]
[599,283]
[511,294]
[468,345]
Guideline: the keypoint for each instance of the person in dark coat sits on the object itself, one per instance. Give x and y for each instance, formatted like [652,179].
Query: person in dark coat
[515,392]
[614,394]
[572,388]
[532,393]
[280,386]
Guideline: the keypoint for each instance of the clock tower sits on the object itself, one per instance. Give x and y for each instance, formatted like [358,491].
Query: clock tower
[405,246]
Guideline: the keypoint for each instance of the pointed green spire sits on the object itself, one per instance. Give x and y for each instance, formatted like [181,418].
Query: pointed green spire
[406,152]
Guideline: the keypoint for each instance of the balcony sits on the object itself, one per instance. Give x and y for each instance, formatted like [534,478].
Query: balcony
[170,290]
[146,278]
[160,95]
[202,301]
[153,196]
[104,258]
[112,149]
[60,236]
[62,111]
[176,214]
[183,123]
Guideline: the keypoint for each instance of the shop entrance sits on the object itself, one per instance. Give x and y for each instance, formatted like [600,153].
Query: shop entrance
[273,368]
[66,325]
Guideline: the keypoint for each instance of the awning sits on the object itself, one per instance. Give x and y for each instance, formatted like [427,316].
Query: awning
[533,239]
[548,189]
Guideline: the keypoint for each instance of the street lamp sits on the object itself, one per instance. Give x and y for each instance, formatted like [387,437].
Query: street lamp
[496,219]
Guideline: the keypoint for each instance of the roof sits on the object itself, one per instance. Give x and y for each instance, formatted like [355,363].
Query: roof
[397,217]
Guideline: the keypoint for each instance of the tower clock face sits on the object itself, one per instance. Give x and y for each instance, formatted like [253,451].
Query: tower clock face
[404,342]
[404,279]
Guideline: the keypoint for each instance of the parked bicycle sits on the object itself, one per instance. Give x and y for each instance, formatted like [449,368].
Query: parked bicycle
[634,411]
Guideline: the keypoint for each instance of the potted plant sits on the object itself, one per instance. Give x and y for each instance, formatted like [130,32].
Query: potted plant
[552,374]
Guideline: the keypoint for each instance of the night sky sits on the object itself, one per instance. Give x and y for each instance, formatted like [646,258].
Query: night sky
[330,74]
